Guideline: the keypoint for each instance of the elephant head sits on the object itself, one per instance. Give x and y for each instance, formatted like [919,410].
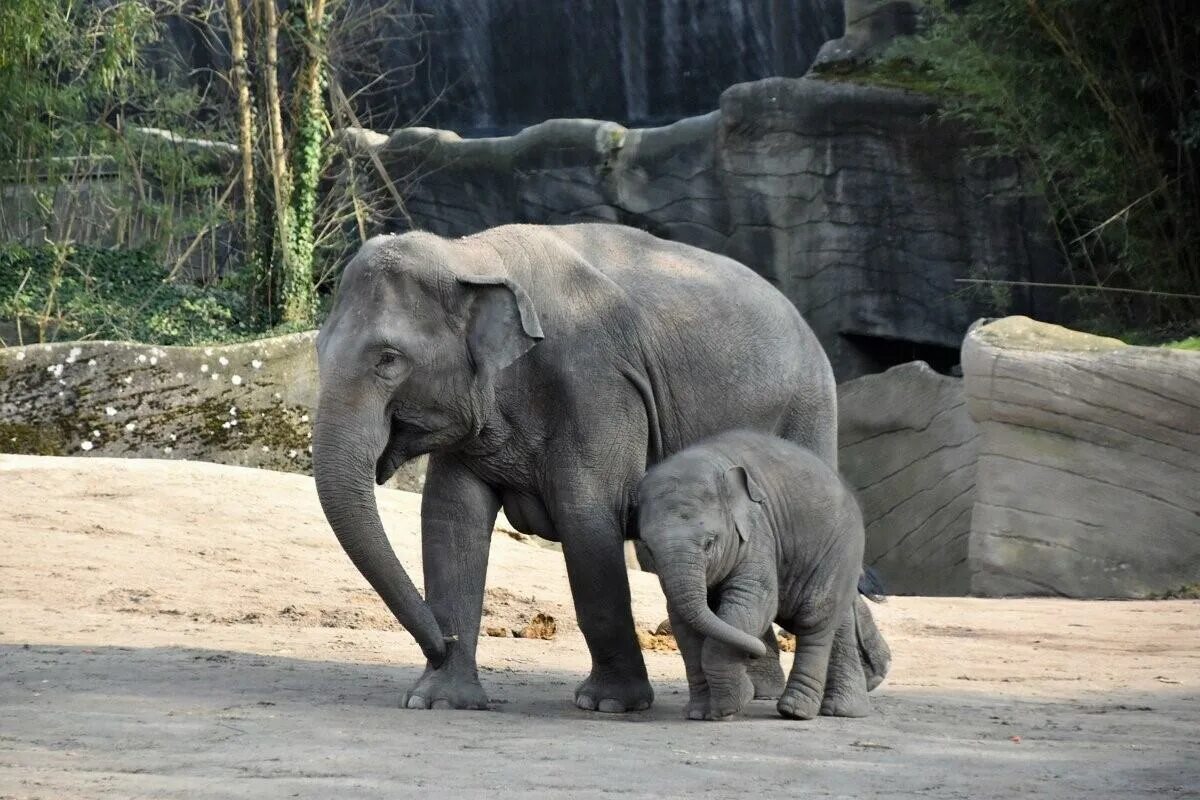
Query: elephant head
[408,359]
[697,519]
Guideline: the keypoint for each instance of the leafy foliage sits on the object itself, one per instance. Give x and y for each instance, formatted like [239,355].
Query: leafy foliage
[112,141]
[94,293]
[1101,101]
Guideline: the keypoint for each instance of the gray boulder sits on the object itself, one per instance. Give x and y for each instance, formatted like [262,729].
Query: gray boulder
[1088,480]
[871,25]
[853,200]
[248,404]
[908,447]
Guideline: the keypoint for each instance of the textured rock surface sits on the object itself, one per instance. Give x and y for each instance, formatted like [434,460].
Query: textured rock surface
[1089,463]
[908,447]
[482,66]
[246,404]
[871,25]
[847,197]
[489,65]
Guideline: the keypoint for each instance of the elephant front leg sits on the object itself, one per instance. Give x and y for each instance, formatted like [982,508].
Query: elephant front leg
[458,512]
[766,673]
[801,698]
[595,556]
[729,687]
[691,646]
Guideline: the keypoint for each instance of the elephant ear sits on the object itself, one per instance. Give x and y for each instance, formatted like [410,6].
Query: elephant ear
[747,501]
[502,323]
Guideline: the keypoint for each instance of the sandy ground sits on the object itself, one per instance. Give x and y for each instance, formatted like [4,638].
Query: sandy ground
[173,629]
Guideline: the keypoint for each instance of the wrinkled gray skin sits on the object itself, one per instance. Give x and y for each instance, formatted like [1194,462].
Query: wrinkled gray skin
[747,529]
[543,368]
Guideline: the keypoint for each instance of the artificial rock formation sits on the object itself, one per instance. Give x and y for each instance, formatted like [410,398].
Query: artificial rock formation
[484,66]
[1088,481]
[871,26]
[851,199]
[908,448]
[248,404]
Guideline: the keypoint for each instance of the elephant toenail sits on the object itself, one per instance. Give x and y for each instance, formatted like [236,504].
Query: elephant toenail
[440,704]
[586,702]
[612,706]
[416,701]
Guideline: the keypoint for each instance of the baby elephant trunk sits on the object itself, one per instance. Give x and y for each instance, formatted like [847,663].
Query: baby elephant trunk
[692,604]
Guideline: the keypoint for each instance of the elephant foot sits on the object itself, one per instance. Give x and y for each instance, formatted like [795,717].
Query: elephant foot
[766,674]
[612,693]
[794,704]
[444,689]
[723,705]
[846,706]
[697,707]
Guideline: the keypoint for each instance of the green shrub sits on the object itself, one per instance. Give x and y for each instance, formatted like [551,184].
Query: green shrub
[59,292]
[1100,101]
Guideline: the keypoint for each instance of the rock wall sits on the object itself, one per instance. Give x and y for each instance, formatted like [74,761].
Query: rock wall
[871,26]
[1089,463]
[908,447]
[480,66]
[246,404]
[849,198]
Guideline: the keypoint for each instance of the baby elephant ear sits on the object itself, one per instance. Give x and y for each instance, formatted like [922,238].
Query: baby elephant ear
[745,501]
[502,322]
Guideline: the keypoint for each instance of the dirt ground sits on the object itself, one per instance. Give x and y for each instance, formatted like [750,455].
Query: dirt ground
[174,629]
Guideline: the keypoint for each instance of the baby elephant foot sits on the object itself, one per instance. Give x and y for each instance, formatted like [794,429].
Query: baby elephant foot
[837,705]
[723,705]
[796,704]
[766,671]
[767,676]
[441,688]
[697,707]
[612,693]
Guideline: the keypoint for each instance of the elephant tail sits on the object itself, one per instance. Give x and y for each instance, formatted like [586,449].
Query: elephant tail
[870,585]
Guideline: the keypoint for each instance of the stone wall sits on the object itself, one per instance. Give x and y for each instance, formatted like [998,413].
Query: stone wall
[909,448]
[862,209]
[1089,463]
[246,404]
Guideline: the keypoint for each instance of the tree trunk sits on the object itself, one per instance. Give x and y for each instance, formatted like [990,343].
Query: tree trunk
[297,291]
[269,19]
[241,85]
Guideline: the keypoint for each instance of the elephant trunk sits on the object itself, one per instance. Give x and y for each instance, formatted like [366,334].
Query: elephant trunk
[686,589]
[344,473]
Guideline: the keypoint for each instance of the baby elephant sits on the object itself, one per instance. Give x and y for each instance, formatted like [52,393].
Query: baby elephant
[746,529]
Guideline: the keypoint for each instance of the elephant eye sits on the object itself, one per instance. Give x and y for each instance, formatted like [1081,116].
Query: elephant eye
[709,542]
[389,363]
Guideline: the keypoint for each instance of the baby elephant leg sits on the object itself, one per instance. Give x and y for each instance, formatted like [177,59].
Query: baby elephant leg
[801,699]
[691,647]
[845,682]
[729,687]
[766,673]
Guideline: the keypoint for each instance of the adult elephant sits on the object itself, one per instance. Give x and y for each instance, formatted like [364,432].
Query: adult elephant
[543,368]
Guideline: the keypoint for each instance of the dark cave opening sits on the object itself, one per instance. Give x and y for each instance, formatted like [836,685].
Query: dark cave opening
[881,353]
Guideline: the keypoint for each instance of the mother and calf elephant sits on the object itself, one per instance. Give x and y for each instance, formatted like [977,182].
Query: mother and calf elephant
[543,369]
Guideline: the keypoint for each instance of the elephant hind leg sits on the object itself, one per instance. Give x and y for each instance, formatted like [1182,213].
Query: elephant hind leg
[845,683]
[874,651]
[813,425]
